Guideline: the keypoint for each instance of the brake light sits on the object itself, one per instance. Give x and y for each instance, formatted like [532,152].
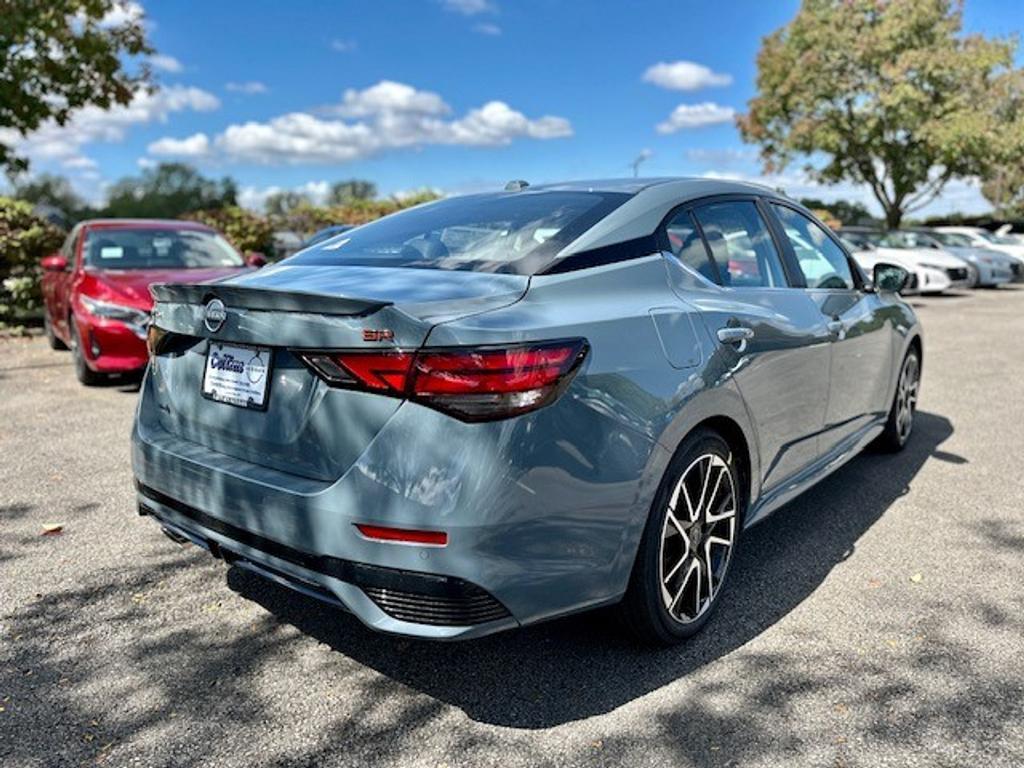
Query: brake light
[470,383]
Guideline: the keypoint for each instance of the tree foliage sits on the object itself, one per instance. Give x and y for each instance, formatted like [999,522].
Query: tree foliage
[887,93]
[54,191]
[245,230]
[167,192]
[845,211]
[344,192]
[24,239]
[57,56]
[283,203]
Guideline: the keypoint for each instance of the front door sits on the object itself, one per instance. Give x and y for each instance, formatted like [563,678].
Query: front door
[861,342]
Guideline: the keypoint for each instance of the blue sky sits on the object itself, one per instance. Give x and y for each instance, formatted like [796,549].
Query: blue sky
[451,94]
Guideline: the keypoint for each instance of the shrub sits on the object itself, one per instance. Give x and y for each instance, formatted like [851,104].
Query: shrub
[24,239]
[245,230]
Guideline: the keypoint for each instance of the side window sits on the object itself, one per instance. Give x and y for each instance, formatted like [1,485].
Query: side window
[741,244]
[822,261]
[686,243]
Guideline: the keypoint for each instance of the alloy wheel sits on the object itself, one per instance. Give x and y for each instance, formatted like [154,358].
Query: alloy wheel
[697,538]
[906,397]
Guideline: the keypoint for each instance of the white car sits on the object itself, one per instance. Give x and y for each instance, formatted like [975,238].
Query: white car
[936,271]
[985,239]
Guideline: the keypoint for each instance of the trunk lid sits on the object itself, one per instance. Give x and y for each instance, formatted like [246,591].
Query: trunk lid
[307,428]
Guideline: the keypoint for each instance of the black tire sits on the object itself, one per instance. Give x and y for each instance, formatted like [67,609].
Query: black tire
[83,372]
[51,337]
[648,608]
[900,424]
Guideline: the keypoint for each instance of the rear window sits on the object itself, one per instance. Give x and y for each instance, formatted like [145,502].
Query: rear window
[518,233]
[169,248]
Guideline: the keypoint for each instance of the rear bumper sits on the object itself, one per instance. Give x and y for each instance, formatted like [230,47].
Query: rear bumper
[534,530]
[386,599]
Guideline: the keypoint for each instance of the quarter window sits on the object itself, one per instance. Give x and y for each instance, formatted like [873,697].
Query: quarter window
[741,245]
[822,262]
[685,242]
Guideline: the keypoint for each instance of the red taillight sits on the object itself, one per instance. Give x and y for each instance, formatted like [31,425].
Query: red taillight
[471,383]
[403,535]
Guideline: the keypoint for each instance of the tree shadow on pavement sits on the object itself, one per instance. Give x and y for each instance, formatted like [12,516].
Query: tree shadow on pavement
[580,666]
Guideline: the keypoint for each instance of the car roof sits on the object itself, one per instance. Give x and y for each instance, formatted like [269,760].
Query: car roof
[694,186]
[650,202]
[145,224]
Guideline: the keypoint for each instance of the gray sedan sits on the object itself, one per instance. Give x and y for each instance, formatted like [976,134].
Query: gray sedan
[491,410]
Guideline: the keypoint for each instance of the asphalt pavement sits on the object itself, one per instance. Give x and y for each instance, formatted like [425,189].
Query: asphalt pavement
[876,621]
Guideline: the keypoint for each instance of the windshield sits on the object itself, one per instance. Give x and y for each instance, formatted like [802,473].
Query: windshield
[518,233]
[164,248]
[907,240]
[953,239]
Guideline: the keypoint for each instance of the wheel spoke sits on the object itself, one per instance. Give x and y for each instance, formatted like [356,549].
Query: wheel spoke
[697,535]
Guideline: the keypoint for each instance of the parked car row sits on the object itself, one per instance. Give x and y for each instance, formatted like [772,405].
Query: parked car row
[940,259]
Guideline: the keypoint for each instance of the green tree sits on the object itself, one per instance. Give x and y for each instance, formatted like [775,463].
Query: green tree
[54,191]
[344,192]
[1004,188]
[846,211]
[57,56]
[887,93]
[244,229]
[285,202]
[168,191]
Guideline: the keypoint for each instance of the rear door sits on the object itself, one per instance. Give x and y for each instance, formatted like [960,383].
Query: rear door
[861,340]
[773,341]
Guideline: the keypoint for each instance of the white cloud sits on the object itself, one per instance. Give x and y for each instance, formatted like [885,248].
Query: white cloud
[196,145]
[469,7]
[92,124]
[343,46]
[487,28]
[121,13]
[249,87]
[165,63]
[696,116]
[684,76]
[382,117]
[145,163]
[80,163]
[389,97]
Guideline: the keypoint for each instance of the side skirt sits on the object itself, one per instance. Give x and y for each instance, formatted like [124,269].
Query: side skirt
[788,490]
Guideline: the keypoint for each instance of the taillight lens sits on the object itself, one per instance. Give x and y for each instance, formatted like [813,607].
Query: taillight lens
[470,383]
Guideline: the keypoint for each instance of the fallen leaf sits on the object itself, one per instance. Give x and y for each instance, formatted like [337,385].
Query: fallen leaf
[917,578]
[52,529]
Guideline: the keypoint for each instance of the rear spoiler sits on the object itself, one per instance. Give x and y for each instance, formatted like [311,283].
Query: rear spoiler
[244,297]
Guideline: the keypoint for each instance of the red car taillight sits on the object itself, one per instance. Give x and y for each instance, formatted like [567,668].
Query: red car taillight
[470,383]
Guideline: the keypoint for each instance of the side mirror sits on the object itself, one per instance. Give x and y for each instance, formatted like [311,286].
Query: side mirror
[54,263]
[890,277]
[256,260]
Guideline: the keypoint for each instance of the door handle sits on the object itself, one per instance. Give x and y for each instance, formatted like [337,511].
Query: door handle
[735,334]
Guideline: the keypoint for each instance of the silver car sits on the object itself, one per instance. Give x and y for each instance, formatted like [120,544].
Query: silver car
[492,410]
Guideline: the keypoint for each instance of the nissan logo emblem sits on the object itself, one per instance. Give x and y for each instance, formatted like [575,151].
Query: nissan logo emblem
[214,315]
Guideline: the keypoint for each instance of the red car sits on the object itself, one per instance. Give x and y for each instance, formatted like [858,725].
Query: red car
[96,288]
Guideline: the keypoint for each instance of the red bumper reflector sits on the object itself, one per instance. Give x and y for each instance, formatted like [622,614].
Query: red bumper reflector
[380,533]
